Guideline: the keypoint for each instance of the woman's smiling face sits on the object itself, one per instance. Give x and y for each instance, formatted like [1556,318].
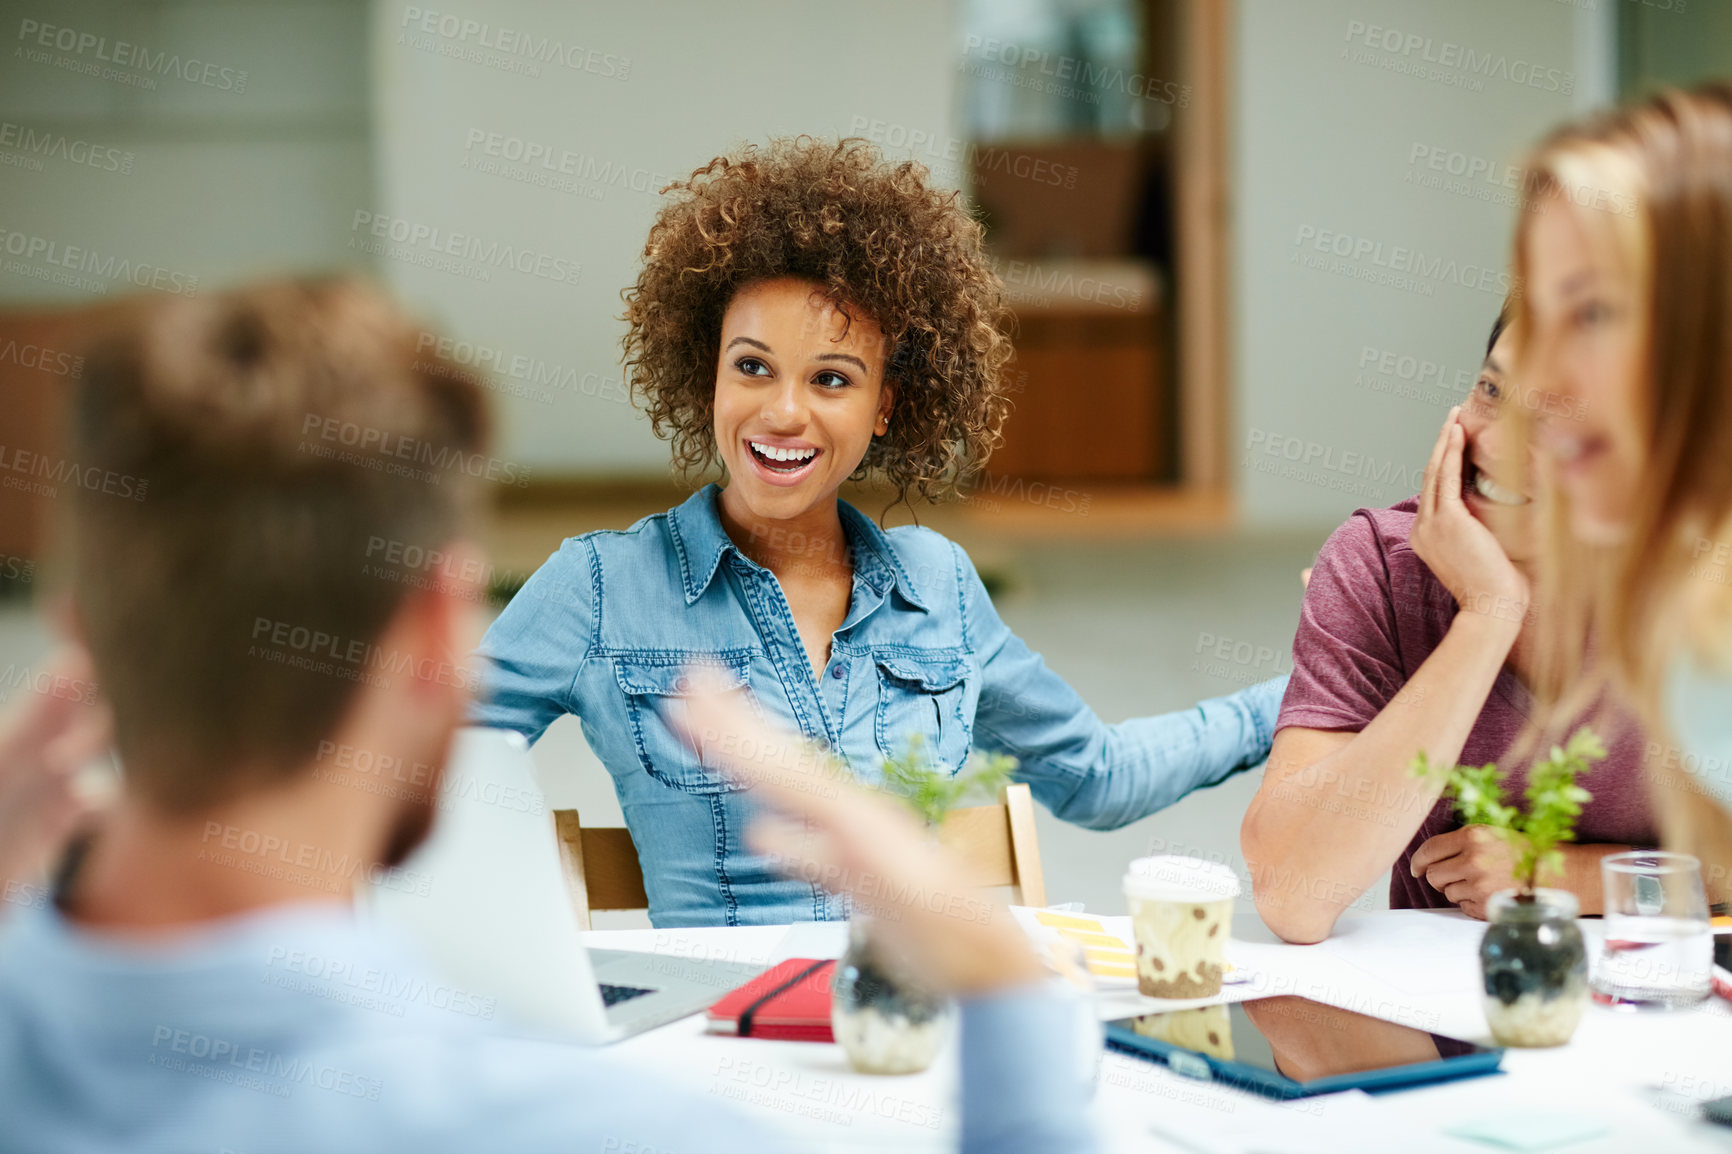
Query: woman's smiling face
[1586,348]
[800,393]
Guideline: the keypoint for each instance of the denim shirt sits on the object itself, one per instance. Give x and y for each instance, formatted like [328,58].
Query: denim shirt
[608,628]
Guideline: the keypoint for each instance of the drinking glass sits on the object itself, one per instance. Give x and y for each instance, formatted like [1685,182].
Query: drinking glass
[1659,946]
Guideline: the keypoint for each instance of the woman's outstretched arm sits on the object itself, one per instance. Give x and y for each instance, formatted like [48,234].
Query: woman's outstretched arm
[536,648]
[1085,771]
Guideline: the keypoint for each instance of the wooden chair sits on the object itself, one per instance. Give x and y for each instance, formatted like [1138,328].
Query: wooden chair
[602,870]
[999,842]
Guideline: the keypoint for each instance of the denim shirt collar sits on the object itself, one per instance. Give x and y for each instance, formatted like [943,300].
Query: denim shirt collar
[696,528]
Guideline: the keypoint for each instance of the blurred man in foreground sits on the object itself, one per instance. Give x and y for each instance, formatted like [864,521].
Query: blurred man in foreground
[239,627]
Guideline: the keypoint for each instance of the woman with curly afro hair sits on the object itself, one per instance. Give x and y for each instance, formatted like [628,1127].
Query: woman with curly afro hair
[808,313]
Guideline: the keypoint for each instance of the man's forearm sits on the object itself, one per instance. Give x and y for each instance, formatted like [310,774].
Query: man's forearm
[1337,840]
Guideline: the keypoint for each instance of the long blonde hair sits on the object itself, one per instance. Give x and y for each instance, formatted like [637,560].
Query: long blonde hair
[1660,175]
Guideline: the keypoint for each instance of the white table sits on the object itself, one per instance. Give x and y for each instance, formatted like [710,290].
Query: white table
[1636,1072]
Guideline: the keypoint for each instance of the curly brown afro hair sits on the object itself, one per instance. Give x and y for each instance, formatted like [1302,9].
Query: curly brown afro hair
[882,242]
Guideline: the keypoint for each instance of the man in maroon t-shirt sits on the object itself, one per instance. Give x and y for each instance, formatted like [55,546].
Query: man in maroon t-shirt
[1414,636]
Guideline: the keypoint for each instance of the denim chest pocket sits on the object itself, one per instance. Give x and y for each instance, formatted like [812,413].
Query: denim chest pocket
[925,695]
[655,692]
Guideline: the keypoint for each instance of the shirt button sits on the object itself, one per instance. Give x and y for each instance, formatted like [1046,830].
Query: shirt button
[836,671]
[682,685]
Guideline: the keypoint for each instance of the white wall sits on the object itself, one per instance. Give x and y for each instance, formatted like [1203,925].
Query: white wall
[220,173]
[702,77]
[224,184]
[1325,137]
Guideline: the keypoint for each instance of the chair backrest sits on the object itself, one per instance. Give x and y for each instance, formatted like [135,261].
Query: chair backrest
[601,867]
[602,870]
[1000,843]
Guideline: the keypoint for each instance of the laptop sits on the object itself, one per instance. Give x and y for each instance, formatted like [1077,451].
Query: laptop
[485,899]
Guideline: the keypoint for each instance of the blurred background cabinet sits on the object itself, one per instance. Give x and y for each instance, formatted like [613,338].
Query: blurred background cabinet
[40,362]
[1068,105]
[1091,398]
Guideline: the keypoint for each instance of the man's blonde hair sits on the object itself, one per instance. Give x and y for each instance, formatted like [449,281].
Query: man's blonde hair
[268,439]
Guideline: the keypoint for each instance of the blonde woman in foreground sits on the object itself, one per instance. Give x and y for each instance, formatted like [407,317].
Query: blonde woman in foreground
[1625,251]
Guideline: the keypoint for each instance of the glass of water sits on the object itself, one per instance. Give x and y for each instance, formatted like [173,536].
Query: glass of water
[1659,947]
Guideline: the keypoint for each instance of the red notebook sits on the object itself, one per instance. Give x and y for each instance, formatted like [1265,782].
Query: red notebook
[790,1002]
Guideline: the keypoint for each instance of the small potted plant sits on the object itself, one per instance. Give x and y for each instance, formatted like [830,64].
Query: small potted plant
[932,790]
[1532,958]
[885,1020]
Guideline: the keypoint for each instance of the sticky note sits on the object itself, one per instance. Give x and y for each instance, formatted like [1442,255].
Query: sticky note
[1531,1129]
[1118,957]
[1106,971]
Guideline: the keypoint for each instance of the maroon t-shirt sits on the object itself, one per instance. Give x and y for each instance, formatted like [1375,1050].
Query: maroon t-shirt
[1373,613]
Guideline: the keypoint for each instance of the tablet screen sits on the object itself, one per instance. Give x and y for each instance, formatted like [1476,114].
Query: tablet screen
[1294,1038]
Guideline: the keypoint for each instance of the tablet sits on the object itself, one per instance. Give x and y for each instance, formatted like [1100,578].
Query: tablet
[1290,1047]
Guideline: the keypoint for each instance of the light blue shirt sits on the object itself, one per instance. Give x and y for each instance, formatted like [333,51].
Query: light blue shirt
[608,627]
[293,1029]
[1699,704]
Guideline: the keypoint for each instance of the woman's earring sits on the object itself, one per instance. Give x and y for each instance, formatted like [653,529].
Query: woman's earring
[883,425]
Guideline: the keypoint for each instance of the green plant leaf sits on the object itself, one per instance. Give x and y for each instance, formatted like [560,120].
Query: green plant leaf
[1554,801]
[931,790]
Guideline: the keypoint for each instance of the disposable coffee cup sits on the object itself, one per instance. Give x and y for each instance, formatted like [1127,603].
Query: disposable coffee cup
[1181,913]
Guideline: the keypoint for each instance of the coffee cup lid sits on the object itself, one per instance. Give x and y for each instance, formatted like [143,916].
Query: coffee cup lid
[1173,878]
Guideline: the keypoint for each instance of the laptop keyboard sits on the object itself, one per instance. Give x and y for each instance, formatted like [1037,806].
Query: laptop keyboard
[614,995]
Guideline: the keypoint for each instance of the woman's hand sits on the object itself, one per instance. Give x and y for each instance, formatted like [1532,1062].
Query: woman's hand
[45,739]
[848,839]
[1463,553]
